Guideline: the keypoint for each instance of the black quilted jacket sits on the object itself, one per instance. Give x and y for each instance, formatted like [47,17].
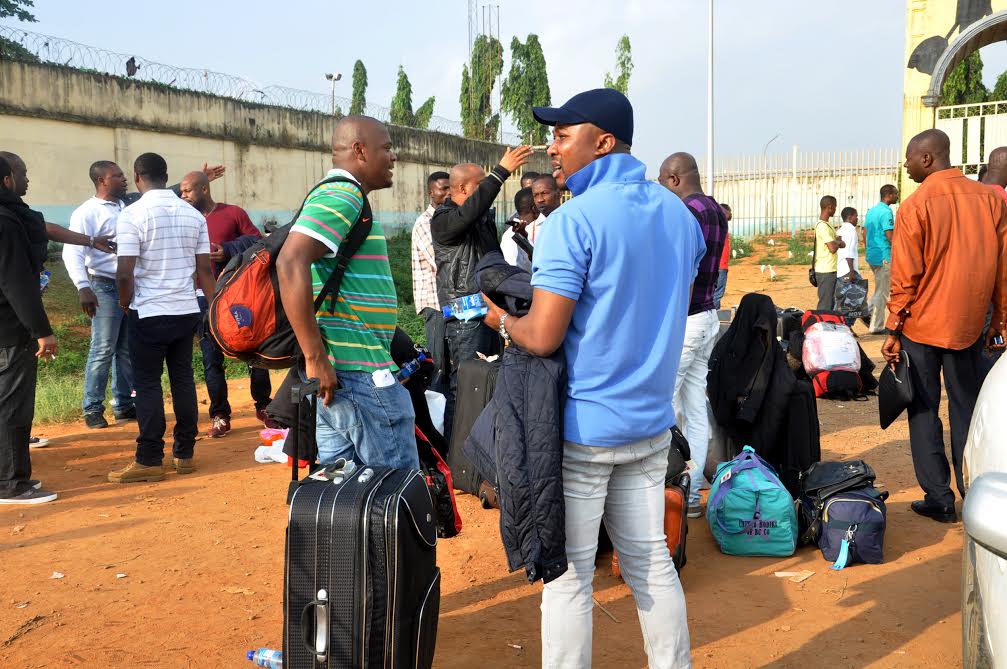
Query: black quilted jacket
[517,442]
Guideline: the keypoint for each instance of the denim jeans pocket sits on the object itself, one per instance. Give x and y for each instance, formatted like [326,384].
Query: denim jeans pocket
[653,465]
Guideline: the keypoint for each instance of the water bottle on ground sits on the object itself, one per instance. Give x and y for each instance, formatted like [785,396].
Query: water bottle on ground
[265,657]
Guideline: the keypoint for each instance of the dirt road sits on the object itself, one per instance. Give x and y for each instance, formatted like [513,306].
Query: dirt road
[189,572]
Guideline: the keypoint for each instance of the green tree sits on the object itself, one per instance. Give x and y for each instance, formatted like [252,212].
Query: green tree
[623,66]
[964,84]
[402,104]
[1000,89]
[478,79]
[421,119]
[359,100]
[526,86]
[17,9]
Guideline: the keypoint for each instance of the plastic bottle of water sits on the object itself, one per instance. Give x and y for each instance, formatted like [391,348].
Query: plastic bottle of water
[264,657]
[465,308]
[43,280]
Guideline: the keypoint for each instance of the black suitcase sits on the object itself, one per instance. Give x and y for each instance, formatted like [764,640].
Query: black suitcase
[476,383]
[361,582]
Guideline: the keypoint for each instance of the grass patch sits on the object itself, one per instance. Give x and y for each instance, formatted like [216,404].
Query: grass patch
[742,246]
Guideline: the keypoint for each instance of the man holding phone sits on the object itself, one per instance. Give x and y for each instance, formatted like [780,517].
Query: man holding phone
[949,264]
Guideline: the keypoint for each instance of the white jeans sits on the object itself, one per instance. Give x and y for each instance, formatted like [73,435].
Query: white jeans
[625,485]
[690,392]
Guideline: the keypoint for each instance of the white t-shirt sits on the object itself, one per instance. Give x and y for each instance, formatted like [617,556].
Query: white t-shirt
[849,234]
[165,233]
[512,253]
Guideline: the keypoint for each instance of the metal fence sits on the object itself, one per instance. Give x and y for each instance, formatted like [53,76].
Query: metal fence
[58,51]
[975,130]
[780,193]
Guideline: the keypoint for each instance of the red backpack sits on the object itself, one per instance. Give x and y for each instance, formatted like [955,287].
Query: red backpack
[836,384]
[246,317]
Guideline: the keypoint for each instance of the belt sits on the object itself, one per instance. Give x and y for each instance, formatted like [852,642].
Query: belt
[99,277]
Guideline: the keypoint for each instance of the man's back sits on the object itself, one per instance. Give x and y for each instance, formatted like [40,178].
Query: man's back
[946,252]
[165,233]
[879,219]
[627,251]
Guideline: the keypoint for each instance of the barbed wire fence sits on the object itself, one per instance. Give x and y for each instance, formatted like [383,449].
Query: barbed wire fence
[36,47]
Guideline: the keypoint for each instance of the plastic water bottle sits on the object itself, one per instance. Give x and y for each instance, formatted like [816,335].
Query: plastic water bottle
[43,280]
[265,657]
[465,308]
[410,367]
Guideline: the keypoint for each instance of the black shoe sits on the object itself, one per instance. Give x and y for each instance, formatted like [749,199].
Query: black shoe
[938,513]
[30,496]
[125,414]
[95,421]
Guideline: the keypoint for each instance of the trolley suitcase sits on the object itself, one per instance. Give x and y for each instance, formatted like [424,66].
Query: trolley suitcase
[362,587]
[676,525]
[476,383]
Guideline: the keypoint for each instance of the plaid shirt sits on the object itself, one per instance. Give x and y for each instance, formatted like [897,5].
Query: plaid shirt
[713,223]
[424,264]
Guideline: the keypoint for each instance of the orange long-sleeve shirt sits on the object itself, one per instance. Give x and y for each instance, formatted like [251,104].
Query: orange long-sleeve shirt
[949,261]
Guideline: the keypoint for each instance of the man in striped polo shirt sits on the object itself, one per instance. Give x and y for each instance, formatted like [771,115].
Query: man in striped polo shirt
[364,413]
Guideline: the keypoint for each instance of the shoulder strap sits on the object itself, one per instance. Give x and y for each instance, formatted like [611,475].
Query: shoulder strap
[814,246]
[358,234]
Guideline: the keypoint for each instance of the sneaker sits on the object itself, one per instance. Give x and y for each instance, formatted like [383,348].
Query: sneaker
[126,414]
[940,514]
[95,421]
[184,465]
[30,496]
[695,512]
[221,426]
[263,417]
[35,484]
[37,442]
[134,472]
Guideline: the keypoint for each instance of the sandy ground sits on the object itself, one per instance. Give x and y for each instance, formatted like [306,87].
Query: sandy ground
[188,572]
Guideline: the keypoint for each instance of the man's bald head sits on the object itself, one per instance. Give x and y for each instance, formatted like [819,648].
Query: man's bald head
[362,146]
[464,179]
[19,171]
[195,189]
[927,152]
[680,174]
[997,167]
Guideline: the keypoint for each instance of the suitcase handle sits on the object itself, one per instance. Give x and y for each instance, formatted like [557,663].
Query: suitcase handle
[315,626]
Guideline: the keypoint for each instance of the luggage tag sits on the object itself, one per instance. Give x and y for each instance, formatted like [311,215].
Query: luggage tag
[844,550]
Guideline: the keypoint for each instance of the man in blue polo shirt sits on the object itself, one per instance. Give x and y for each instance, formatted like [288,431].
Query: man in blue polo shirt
[611,274]
[880,226]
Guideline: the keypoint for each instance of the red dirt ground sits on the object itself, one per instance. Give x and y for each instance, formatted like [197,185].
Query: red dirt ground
[202,556]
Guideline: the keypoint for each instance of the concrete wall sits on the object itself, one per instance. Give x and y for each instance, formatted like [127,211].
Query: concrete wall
[61,120]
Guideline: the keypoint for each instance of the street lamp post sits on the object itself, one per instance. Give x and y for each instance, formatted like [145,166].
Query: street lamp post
[333,78]
[709,106]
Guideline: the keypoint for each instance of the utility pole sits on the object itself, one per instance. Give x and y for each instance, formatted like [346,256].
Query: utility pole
[709,106]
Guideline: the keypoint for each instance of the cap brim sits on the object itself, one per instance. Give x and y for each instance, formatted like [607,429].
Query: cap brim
[556,116]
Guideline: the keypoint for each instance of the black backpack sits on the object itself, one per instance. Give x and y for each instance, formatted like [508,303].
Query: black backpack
[246,317]
[821,481]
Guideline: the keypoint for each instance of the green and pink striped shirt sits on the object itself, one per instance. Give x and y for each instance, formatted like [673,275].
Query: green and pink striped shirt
[358,331]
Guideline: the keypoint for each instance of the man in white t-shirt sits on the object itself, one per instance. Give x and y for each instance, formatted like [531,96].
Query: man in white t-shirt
[162,242]
[849,255]
[524,223]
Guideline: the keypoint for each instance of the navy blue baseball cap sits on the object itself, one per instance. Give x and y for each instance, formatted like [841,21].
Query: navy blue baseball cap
[606,108]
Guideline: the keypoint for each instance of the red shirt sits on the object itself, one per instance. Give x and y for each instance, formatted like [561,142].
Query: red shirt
[725,258]
[227,223]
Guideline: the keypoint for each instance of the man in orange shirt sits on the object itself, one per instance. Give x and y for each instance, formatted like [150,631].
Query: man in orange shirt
[949,263]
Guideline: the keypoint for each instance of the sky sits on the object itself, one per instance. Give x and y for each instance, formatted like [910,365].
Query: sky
[819,75]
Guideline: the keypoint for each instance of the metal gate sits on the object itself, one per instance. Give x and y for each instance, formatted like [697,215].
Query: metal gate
[975,130]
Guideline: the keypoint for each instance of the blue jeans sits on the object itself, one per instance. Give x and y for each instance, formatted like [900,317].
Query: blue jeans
[367,424]
[718,294]
[109,349]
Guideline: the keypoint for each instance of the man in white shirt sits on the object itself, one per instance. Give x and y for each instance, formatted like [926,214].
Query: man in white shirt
[849,255]
[162,242]
[93,273]
[425,274]
[524,223]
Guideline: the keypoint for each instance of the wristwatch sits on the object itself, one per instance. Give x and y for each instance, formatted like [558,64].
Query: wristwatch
[503,328]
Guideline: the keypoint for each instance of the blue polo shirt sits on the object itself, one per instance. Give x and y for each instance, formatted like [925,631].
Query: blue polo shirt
[879,219]
[627,250]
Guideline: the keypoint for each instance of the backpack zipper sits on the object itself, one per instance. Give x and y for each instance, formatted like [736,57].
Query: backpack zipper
[873,505]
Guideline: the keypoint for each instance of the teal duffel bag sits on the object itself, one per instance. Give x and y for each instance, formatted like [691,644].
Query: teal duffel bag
[749,510]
